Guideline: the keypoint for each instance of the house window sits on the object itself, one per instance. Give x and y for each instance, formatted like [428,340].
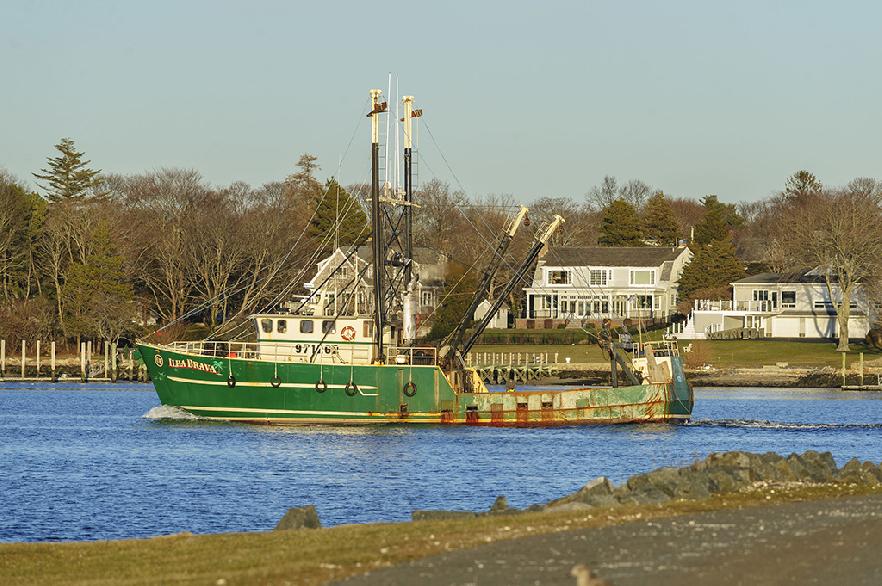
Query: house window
[644,302]
[282,326]
[267,326]
[643,277]
[788,299]
[328,326]
[760,295]
[596,277]
[427,298]
[558,277]
[306,326]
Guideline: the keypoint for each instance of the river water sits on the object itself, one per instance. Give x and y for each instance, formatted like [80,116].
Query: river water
[107,462]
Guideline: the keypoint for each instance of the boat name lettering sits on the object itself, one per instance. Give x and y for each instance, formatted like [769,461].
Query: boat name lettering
[193,365]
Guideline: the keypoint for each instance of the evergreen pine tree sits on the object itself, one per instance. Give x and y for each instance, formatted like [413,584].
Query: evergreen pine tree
[713,266]
[659,223]
[336,208]
[719,219]
[620,225]
[68,176]
[97,295]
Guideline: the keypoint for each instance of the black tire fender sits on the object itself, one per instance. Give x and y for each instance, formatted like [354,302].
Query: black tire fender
[276,382]
[410,388]
[351,389]
[321,386]
[231,381]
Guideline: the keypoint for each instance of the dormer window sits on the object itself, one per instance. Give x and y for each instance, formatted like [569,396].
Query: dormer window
[558,277]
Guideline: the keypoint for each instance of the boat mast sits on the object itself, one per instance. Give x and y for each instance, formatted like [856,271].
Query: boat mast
[409,302]
[378,239]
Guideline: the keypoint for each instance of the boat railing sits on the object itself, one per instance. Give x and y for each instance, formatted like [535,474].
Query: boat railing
[274,352]
[415,355]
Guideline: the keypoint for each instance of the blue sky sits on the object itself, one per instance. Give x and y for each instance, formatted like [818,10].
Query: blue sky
[529,99]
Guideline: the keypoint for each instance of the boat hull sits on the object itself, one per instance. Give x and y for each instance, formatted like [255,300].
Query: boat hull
[258,391]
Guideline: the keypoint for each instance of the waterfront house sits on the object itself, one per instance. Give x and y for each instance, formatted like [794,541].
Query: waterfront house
[573,285]
[772,305]
[334,290]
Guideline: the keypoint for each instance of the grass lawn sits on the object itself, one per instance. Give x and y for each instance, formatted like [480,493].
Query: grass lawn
[719,353]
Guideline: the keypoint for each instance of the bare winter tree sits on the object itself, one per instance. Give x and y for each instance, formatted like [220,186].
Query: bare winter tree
[838,233]
[635,192]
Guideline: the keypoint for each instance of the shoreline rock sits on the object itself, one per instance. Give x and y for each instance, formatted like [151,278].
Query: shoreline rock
[717,474]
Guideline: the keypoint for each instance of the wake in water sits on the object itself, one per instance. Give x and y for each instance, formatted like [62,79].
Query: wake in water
[783,425]
[167,412]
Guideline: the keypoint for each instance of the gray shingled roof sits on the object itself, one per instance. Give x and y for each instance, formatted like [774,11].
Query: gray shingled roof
[611,256]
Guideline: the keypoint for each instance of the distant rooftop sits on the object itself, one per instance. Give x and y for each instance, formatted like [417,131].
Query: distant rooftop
[611,256]
[775,278]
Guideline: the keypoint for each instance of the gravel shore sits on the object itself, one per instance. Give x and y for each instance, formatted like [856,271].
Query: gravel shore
[813,542]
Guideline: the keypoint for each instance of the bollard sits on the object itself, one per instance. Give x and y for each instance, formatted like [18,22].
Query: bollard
[52,355]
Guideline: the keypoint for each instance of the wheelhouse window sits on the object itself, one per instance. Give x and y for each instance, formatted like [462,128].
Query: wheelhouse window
[598,277]
[267,326]
[643,277]
[367,329]
[282,326]
[328,326]
[558,277]
[306,326]
[788,299]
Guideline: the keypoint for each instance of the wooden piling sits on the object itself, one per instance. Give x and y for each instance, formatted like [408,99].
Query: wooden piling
[114,372]
[52,359]
[23,346]
[89,357]
[843,369]
[861,370]
[83,376]
[38,358]
[106,349]
[2,357]
[131,366]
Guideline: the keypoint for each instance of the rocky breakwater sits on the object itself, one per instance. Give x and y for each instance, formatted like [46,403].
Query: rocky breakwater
[718,474]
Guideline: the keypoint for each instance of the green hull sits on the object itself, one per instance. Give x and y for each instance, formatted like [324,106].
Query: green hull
[299,393]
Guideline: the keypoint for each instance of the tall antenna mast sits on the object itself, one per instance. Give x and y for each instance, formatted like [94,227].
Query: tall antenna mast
[386,146]
[397,184]
[378,239]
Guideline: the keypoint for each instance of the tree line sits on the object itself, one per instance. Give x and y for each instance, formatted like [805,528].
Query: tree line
[91,254]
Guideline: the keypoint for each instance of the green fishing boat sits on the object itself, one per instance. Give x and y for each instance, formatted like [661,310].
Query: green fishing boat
[355,363]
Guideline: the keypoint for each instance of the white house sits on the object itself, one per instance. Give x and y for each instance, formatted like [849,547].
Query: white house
[572,285]
[771,305]
[499,321]
[333,291]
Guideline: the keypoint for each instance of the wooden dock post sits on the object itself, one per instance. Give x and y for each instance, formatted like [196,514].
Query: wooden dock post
[83,376]
[114,371]
[2,358]
[106,359]
[52,361]
[131,366]
[23,346]
[38,358]
[843,369]
[861,371]
[89,358]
